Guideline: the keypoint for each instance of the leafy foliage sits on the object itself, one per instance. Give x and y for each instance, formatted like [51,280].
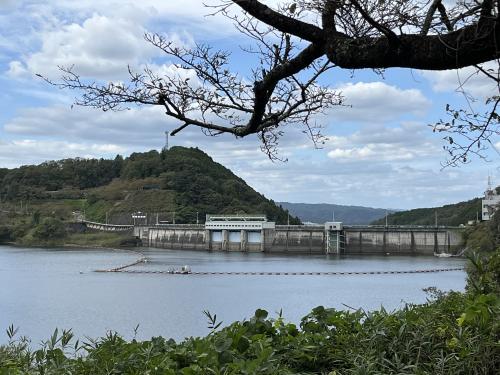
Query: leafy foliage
[49,229]
[35,181]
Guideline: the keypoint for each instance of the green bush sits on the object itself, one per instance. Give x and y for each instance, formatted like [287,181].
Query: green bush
[49,229]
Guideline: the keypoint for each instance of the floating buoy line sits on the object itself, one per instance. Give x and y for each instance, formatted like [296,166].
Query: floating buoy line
[185,270]
[142,259]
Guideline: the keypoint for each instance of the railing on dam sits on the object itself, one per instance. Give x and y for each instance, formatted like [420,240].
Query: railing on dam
[107,227]
[402,227]
[173,226]
[300,227]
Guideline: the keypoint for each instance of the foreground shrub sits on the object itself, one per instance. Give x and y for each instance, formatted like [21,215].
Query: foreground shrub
[453,333]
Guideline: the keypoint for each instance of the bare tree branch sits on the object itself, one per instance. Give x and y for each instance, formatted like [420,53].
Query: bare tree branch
[200,89]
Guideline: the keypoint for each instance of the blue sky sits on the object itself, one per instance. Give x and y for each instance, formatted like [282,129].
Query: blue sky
[380,152]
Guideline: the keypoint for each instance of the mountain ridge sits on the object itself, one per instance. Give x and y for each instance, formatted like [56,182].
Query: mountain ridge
[323,212]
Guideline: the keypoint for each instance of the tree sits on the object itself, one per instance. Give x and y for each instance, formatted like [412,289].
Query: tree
[294,52]
[50,228]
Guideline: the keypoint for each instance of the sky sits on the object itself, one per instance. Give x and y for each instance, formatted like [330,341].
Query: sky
[380,150]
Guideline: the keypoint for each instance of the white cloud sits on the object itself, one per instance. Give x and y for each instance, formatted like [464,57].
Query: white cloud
[468,79]
[405,133]
[372,151]
[7,4]
[371,182]
[392,172]
[17,69]
[396,143]
[378,102]
[139,126]
[28,151]
[100,47]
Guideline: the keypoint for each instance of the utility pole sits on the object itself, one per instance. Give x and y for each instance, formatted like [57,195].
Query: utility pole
[333,215]
[173,217]
[386,219]
[436,218]
[106,217]
[197,221]
[288,218]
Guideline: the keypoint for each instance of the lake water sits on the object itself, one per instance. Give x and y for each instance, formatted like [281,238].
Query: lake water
[41,289]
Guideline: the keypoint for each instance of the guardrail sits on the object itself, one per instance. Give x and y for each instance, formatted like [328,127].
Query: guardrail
[106,225]
[401,227]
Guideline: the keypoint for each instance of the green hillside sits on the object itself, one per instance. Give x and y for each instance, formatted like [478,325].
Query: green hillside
[178,185]
[451,214]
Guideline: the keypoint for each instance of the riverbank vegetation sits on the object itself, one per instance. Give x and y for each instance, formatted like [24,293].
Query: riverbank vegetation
[53,232]
[453,333]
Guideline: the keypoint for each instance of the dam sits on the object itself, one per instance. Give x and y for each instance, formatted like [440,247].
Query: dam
[253,233]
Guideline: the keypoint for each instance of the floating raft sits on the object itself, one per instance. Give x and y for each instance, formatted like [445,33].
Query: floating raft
[321,273]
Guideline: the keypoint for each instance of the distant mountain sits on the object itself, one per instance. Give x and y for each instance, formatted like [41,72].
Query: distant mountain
[451,214]
[322,212]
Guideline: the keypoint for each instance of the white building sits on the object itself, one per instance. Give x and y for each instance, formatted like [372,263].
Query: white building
[234,228]
[490,202]
[238,222]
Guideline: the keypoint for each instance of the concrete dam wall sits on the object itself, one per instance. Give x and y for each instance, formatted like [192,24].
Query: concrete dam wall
[296,239]
[182,237]
[402,241]
[304,239]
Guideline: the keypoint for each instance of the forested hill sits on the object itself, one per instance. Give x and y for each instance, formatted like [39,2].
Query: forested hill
[451,214]
[179,184]
[323,212]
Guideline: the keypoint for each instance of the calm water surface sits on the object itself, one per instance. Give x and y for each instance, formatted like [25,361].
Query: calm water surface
[41,289]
